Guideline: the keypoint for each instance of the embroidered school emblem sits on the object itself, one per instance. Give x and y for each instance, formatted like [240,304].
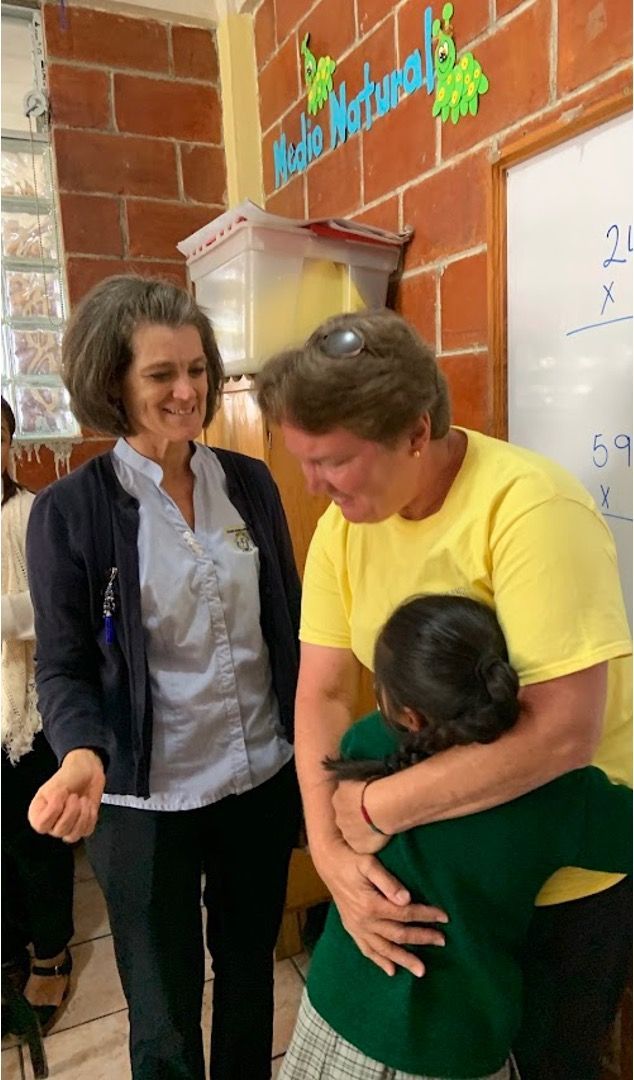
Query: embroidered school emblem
[241,539]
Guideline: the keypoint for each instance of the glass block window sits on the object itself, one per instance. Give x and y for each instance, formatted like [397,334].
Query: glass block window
[33,297]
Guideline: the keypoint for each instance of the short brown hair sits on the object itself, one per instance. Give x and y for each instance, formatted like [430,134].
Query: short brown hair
[378,394]
[97,346]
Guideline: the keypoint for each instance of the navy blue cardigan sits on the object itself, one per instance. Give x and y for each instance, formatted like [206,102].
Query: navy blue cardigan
[95,694]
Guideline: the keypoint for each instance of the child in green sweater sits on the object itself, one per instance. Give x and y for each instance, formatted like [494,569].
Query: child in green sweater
[443,679]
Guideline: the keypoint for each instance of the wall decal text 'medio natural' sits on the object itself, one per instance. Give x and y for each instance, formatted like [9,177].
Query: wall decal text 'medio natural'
[459,82]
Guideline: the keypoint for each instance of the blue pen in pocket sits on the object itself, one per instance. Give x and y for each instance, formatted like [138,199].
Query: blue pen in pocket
[109,605]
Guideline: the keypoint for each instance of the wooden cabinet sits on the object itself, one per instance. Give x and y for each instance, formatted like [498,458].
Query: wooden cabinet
[239,425]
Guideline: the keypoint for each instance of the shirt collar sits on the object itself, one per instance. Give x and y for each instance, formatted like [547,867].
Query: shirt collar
[139,464]
[145,466]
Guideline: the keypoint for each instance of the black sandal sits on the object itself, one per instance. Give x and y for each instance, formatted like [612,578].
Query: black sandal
[47,1014]
[21,1020]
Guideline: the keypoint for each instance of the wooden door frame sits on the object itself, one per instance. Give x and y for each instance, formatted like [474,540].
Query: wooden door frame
[565,127]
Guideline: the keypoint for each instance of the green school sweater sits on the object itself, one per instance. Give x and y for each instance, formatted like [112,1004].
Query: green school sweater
[485,870]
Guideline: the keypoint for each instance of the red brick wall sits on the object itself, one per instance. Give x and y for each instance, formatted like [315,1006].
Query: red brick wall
[136,121]
[542,58]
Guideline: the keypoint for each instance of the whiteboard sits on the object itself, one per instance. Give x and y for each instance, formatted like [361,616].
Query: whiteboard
[569,302]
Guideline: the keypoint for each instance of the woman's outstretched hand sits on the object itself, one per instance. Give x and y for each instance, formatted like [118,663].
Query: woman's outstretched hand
[66,806]
[377,911]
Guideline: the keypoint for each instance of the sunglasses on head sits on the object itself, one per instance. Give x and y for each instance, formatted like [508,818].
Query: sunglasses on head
[343,342]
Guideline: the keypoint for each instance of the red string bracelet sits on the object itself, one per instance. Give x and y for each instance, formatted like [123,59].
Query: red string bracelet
[364,813]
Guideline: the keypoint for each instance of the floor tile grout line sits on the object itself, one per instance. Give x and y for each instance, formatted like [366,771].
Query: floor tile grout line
[19,1048]
[82,1023]
[91,1020]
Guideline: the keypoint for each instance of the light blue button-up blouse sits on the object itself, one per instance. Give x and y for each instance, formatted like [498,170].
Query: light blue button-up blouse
[216,727]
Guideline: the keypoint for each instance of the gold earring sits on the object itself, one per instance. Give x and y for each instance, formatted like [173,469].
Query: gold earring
[416,453]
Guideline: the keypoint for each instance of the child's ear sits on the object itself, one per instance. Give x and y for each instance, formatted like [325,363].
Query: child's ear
[412,720]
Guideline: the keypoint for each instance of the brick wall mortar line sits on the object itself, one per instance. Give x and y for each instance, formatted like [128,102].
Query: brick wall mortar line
[283,116]
[171,66]
[508,16]
[135,135]
[293,30]
[377,202]
[165,76]
[140,16]
[392,13]
[84,256]
[167,201]
[196,143]
[447,260]
[179,172]
[123,225]
[114,128]
[554,48]
[479,350]
[299,69]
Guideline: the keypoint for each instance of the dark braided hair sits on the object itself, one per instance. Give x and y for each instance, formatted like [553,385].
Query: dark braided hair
[10,487]
[445,659]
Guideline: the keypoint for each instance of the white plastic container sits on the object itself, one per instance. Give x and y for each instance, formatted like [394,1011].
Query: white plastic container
[266,288]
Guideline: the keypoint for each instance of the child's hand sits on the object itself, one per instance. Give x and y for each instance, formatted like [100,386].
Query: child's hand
[350,821]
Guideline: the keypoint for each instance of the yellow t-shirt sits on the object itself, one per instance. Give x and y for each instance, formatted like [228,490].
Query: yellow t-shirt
[519,533]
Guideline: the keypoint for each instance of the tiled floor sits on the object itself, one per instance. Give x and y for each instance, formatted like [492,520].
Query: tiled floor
[90,1037]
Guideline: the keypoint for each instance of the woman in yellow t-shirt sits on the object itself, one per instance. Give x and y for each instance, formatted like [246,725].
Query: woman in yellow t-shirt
[419,505]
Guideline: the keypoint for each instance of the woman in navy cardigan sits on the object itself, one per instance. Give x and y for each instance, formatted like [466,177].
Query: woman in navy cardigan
[166,627]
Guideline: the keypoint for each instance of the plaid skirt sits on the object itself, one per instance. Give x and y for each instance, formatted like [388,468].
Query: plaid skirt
[316,1052]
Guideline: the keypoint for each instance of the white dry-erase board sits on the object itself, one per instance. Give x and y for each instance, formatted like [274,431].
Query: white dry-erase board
[569,246]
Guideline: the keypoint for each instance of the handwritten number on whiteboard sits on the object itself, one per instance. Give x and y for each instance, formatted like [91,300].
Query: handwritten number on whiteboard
[624,444]
[600,449]
[629,239]
[612,258]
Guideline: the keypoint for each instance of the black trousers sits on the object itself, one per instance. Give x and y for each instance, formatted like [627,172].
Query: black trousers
[149,866]
[576,964]
[37,871]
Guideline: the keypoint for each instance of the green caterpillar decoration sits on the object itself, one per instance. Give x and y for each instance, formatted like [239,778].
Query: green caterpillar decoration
[317,76]
[459,85]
